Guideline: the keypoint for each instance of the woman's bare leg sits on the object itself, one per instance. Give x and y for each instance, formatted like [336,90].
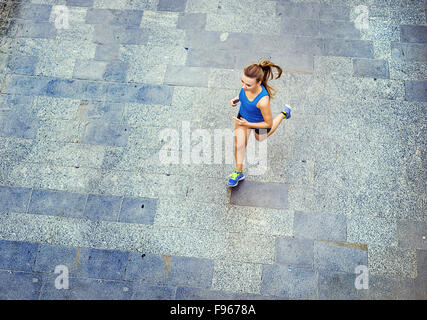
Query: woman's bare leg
[276,123]
[240,143]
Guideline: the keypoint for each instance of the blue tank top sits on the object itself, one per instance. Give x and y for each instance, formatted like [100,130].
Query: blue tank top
[248,109]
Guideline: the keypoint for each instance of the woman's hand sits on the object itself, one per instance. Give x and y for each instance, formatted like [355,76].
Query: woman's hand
[241,121]
[234,101]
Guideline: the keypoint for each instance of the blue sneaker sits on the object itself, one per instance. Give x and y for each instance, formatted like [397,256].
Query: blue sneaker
[235,177]
[286,111]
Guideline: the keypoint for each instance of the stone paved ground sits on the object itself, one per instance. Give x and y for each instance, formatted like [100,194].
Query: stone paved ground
[82,114]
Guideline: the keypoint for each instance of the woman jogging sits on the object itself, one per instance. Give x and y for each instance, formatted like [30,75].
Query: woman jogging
[255,111]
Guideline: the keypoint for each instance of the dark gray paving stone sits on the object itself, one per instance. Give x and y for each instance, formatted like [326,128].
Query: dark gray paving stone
[192,21]
[348,48]
[50,256]
[102,264]
[409,51]
[333,257]
[155,94]
[416,91]
[335,285]
[19,285]
[98,110]
[14,199]
[295,283]
[338,29]
[106,52]
[191,272]
[187,76]
[138,210]
[298,10]
[21,84]
[31,11]
[119,35]
[19,125]
[410,234]
[294,252]
[413,34]
[334,12]
[147,268]
[105,133]
[290,26]
[86,289]
[121,92]
[185,293]
[22,64]
[172,5]
[16,255]
[80,3]
[116,71]
[130,18]
[57,203]
[320,226]
[370,68]
[31,29]
[102,207]
[260,194]
[148,292]
[210,59]
[387,288]
[421,279]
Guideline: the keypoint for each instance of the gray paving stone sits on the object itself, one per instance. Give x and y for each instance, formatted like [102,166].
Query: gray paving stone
[107,52]
[192,21]
[86,289]
[293,283]
[306,27]
[411,234]
[207,58]
[338,29]
[14,199]
[348,48]
[50,256]
[114,17]
[147,292]
[185,293]
[102,207]
[294,252]
[191,272]
[334,285]
[57,203]
[102,264]
[92,70]
[19,256]
[20,285]
[308,10]
[187,76]
[387,288]
[320,226]
[409,51]
[416,91]
[172,5]
[138,210]
[413,34]
[421,280]
[334,12]
[257,194]
[147,268]
[370,68]
[328,256]
[101,132]
[80,3]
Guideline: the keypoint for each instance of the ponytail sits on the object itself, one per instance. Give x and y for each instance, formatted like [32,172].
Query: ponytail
[263,72]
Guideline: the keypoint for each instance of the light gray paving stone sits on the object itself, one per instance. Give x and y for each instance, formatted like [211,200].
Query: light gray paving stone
[387,288]
[187,76]
[236,277]
[320,226]
[392,261]
[407,70]
[371,231]
[332,65]
[370,68]
[334,257]
[411,234]
[251,248]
